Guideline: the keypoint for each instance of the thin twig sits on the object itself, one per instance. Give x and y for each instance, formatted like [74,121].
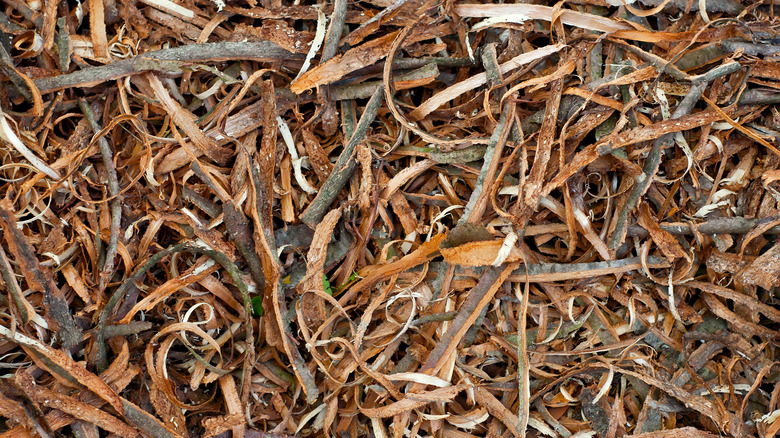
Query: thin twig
[482,188]
[241,235]
[38,279]
[132,328]
[652,162]
[332,38]
[364,90]
[212,209]
[479,297]
[167,61]
[553,272]
[661,65]
[348,117]
[101,357]
[7,68]
[759,96]
[724,225]
[11,286]
[478,201]
[222,259]
[437,317]
[113,189]
[283,319]
[145,421]
[344,167]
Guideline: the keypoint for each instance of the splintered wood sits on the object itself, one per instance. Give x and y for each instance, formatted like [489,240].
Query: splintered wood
[388,218]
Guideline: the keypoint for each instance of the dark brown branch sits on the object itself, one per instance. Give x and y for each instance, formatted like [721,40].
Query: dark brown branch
[11,285]
[241,235]
[37,278]
[763,96]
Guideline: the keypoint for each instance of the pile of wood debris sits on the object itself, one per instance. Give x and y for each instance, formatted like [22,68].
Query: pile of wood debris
[389,218]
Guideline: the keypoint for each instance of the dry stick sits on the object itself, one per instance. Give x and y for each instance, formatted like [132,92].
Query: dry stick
[497,141]
[717,72]
[497,409]
[299,365]
[478,199]
[100,356]
[71,406]
[206,178]
[60,363]
[759,96]
[7,68]
[723,225]
[492,68]
[364,90]
[552,272]
[25,11]
[523,362]
[652,163]
[237,225]
[38,279]
[113,190]
[552,421]
[660,64]
[484,187]
[62,41]
[533,188]
[412,63]
[479,296]
[212,209]
[146,422]
[653,160]
[223,260]
[131,328]
[345,165]
[241,234]
[336,28]
[13,288]
[495,79]
[751,49]
[348,117]
[436,317]
[167,60]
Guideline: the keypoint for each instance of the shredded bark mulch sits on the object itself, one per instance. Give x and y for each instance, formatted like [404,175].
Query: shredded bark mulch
[389,218]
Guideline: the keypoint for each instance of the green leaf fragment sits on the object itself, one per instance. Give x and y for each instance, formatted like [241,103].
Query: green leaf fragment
[257,306]
[326,285]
